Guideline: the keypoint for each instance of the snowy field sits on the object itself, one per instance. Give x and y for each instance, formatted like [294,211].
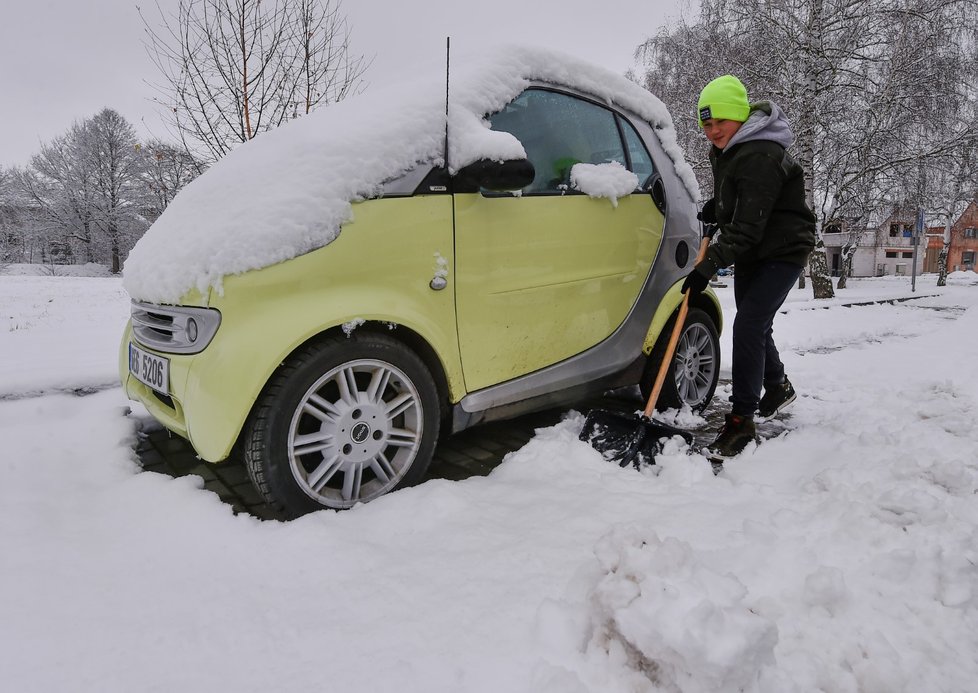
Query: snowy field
[841,556]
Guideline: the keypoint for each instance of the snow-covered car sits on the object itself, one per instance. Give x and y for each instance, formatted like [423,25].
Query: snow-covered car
[330,298]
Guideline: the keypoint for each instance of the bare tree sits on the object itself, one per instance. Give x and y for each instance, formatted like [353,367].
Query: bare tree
[165,171]
[19,241]
[947,186]
[7,219]
[321,40]
[113,152]
[86,186]
[871,85]
[679,61]
[235,68]
[59,184]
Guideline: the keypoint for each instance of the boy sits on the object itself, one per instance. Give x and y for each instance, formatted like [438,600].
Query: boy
[767,230]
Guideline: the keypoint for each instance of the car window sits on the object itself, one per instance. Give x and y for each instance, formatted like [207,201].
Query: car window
[558,131]
[640,161]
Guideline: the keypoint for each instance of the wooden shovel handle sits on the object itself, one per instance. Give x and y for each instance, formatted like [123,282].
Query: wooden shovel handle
[677,330]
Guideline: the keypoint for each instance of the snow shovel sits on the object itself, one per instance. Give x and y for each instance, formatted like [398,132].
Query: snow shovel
[637,438]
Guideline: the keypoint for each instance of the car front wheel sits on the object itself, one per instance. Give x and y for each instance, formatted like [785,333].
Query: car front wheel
[344,421]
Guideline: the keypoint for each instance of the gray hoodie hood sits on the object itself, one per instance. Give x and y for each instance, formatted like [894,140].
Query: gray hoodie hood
[765,122]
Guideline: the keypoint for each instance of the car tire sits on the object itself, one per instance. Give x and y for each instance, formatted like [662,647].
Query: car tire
[343,421]
[695,368]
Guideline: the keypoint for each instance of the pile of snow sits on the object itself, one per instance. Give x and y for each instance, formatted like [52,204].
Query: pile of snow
[839,556]
[611,180]
[290,190]
[680,623]
[962,277]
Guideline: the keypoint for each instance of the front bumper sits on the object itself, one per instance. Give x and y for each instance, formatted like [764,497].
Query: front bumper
[168,410]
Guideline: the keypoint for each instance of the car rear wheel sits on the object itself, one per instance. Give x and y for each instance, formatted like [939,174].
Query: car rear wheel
[344,421]
[695,369]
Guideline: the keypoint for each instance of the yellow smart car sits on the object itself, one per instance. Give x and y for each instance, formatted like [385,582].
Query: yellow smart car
[333,296]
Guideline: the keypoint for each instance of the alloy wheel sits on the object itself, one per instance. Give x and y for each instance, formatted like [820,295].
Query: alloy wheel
[355,433]
[695,364]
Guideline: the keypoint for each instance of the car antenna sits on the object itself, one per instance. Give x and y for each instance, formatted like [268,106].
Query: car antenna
[448,64]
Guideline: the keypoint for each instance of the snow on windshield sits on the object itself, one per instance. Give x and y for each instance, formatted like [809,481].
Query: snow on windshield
[290,190]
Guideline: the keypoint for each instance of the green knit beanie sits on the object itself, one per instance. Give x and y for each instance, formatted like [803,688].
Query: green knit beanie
[725,98]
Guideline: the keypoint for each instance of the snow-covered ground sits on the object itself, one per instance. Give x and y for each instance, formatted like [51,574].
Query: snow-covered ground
[840,556]
[59,332]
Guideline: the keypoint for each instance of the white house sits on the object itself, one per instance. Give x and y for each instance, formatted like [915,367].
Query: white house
[884,247]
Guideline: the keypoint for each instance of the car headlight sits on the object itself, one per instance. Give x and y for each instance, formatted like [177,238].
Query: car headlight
[174,329]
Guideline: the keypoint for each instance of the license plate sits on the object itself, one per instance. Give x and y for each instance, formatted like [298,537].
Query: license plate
[150,369]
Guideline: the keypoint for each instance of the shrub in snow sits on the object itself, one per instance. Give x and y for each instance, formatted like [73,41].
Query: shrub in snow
[681,623]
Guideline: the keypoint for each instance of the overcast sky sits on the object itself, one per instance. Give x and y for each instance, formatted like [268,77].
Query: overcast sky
[64,60]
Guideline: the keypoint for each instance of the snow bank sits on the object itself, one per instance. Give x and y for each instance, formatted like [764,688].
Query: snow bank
[685,625]
[962,278]
[290,190]
[846,548]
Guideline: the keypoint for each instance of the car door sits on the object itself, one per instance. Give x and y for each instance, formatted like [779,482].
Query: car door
[548,272]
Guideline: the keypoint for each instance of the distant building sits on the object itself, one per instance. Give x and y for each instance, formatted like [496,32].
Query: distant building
[964,240]
[932,253]
[883,247]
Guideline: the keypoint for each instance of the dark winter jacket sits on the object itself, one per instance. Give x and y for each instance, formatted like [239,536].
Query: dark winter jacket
[759,196]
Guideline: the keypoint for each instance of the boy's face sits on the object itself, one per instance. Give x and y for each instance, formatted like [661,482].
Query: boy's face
[720,131]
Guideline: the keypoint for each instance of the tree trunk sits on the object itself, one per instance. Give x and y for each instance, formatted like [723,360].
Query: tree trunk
[846,269]
[244,52]
[806,115]
[818,268]
[116,260]
[87,240]
[942,264]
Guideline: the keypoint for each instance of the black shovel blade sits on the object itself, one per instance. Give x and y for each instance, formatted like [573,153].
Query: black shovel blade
[627,438]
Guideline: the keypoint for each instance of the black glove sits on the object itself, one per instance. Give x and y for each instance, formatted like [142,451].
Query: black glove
[708,215]
[695,282]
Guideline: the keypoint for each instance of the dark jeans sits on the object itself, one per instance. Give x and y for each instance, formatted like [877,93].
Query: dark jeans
[759,291]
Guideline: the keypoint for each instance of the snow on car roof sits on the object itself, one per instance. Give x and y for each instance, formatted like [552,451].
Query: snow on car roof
[290,190]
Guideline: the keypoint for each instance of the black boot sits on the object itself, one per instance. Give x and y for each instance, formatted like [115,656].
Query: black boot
[736,433]
[777,397]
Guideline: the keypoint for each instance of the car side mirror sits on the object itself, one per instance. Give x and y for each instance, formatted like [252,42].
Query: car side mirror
[498,176]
